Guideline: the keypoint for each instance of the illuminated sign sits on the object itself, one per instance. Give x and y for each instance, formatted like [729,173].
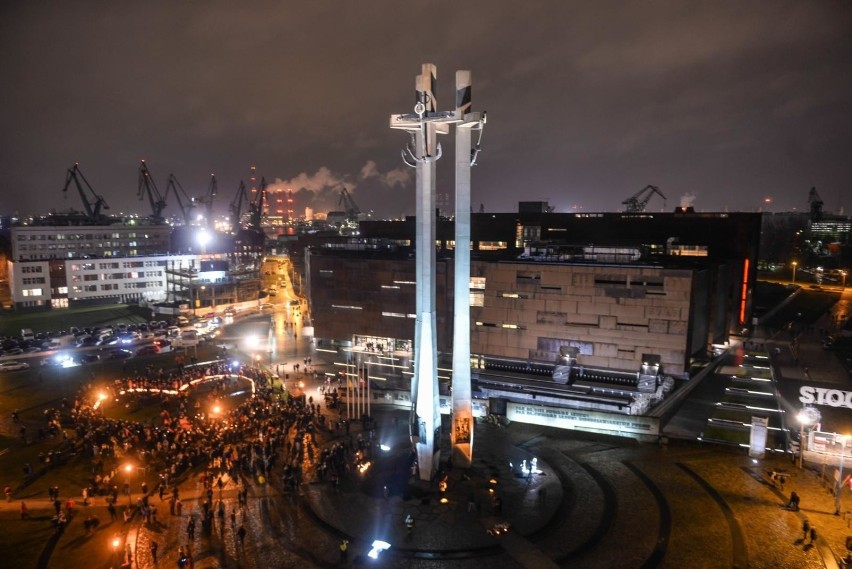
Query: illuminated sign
[581,419]
[822,396]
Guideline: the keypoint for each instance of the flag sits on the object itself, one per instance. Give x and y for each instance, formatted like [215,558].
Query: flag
[847,480]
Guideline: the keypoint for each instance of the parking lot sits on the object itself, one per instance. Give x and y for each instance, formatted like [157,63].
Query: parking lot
[84,336]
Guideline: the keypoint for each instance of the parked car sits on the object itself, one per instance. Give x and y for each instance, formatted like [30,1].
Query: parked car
[118,354]
[148,350]
[109,341]
[128,337]
[14,366]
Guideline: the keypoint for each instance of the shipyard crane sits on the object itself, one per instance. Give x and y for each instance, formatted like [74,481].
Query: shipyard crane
[816,203]
[347,203]
[185,208]
[212,191]
[637,202]
[256,207]
[147,185]
[92,208]
[237,207]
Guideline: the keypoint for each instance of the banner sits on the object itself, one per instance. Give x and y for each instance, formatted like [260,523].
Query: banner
[757,441]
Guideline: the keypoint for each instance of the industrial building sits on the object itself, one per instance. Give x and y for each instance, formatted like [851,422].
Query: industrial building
[613,294]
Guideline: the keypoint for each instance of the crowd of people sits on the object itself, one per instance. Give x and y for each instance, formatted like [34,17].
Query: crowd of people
[269,436]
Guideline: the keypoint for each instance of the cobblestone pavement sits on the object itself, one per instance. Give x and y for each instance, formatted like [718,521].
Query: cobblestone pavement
[606,503]
[598,502]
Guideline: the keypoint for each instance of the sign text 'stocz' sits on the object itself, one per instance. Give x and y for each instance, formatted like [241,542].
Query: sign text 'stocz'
[822,396]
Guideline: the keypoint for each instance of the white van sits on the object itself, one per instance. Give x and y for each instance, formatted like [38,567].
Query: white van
[27,334]
[187,338]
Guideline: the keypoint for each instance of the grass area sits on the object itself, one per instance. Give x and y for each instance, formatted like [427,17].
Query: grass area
[752,385]
[22,541]
[720,433]
[55,320]
[731,415]
[741,435]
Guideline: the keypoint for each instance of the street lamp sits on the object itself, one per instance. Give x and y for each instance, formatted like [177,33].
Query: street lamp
[807,416]
[839,477]
[128,469]
[116,543]
[795,264]
[203,239]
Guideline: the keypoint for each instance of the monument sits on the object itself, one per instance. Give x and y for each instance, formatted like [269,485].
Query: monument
[422,153]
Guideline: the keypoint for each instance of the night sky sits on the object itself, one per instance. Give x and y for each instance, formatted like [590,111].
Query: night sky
[588,102]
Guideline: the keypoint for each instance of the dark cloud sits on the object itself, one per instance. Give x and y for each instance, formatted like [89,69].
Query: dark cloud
[588,101]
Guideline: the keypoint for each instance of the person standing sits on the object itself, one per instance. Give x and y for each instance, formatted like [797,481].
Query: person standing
[806,528]
[344,550]
[241,534]
[813,534]
[793,504]
[154,547]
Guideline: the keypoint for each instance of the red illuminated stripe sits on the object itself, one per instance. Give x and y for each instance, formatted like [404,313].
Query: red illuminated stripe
[744,294]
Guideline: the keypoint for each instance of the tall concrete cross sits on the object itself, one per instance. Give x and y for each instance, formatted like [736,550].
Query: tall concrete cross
[424,125]
[468,121]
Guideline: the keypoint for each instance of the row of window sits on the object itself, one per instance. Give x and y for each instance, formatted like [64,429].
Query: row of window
[115,265]
[116,276]
[89,246]
[32,269]
[504,325]
[115,286]
[33,280]
[36,256]
[79,236]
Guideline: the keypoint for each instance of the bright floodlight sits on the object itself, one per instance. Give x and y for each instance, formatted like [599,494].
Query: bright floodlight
[217,409]
[384,447]
[101,396]
[128,468]
[116,542]
[378,547]
[203,237]
[253,342]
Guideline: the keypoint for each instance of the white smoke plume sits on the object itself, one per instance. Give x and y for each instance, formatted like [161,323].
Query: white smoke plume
[322,189]
[687,199]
